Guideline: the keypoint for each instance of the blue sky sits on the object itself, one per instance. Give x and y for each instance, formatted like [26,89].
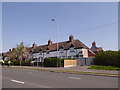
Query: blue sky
[86,21]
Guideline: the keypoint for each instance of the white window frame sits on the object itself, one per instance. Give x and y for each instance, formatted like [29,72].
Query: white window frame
[61,50]
[72,49]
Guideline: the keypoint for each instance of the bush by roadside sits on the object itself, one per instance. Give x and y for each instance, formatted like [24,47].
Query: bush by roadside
[17,63]
[108,58]
[99,67]
[53,62]
[26,63]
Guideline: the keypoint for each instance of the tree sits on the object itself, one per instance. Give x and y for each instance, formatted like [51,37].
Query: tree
[20,52]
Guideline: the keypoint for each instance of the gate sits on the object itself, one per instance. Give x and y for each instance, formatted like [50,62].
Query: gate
[85,61]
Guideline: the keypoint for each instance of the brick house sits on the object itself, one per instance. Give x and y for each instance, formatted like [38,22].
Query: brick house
[96,49]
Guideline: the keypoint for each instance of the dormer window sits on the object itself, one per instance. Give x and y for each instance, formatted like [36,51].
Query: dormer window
[30,52]
[40,52]
[47,52]
[72,48]
[61,49]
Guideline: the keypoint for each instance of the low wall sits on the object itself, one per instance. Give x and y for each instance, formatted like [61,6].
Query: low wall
[70,63]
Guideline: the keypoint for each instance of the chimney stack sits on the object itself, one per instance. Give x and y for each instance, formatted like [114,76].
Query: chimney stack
[93,43]
[34,45]
[49,42]
[10,50]
[71,38]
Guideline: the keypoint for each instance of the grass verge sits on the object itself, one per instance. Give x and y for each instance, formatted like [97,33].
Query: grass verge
[100,67]
[66,71]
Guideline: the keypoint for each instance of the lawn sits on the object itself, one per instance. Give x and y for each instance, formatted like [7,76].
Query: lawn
[99,67]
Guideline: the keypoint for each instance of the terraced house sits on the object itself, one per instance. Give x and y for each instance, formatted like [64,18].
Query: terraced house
[73,48]
[66,49]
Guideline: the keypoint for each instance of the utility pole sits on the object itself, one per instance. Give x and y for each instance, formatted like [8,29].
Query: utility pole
[56,37]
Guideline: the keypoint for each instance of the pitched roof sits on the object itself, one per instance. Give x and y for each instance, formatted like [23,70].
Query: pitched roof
[100,49]
[66,45]
[96,49]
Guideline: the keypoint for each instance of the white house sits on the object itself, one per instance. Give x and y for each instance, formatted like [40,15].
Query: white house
[67,49]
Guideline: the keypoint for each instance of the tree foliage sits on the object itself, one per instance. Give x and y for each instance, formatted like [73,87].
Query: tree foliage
[19,53]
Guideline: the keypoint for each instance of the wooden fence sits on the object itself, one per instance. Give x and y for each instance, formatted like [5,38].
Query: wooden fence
[70,63]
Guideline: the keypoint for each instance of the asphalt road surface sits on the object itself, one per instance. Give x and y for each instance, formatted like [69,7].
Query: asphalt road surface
[24,78]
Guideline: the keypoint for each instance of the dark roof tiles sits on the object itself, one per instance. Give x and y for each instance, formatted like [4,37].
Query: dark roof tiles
[65,45]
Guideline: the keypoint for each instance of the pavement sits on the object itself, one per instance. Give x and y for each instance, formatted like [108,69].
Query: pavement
[77,69]
[28,78]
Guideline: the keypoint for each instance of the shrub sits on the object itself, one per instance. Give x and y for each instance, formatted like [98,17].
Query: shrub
[108,58]
[53,62]
[26,63]
[15,62]
[6,62]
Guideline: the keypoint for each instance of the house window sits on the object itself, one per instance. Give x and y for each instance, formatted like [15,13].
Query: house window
[69,56]
[40,53]
[61,50]
[74,56]
[80,52]
[47,52]
[81,55]
[72,49]
[63,56]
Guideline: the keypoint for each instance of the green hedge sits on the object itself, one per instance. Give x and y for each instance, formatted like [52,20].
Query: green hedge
[108,58]
[26,63]
[53,62]
[17,63]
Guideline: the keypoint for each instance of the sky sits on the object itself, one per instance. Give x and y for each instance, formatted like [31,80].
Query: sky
[31,22]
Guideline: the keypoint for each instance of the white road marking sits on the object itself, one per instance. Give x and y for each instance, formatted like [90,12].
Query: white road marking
[74,78]
[17,81]
[29,73]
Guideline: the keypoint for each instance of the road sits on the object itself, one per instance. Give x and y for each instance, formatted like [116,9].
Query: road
[24,78]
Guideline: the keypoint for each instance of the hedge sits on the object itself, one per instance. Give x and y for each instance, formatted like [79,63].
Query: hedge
[26,63]
[108,58]
[17,63]
[53,62]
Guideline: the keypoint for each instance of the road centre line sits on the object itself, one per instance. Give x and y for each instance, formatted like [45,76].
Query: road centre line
[17,81]
[74,78]
[29,73]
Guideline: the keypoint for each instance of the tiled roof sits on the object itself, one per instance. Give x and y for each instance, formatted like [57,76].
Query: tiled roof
[100,49]
[91,53]
[66,45]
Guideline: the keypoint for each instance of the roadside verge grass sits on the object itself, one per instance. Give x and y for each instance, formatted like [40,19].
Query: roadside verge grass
[65,71]
[100,67]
